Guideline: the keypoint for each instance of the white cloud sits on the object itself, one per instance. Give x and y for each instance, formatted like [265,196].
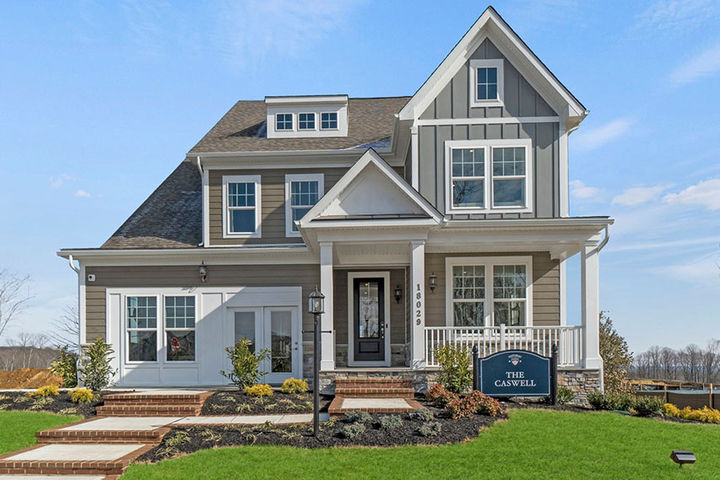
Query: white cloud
[83,193]
[60,180]
[581,191]
[705,64]
[679,15]
[704,270]
[599,136]
[638,195]
[705,193]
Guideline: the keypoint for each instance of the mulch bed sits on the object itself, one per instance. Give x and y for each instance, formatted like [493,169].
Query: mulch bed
[238,403]
[189,439]
[60,404]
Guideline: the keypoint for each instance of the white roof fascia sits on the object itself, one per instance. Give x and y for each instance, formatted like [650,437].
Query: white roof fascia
[306,99]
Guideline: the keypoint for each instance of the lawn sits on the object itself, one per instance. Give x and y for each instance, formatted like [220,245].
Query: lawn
[533,444]
[17,429]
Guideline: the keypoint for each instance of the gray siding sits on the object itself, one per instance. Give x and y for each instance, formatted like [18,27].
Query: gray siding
[546,288]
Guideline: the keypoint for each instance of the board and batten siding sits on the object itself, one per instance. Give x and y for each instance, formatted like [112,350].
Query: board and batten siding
[305,276]
[520,100]
[545,282]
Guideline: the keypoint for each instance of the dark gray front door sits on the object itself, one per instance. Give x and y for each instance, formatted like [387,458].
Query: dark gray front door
[369,325]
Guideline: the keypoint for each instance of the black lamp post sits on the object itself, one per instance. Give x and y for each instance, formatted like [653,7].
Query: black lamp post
[316,306]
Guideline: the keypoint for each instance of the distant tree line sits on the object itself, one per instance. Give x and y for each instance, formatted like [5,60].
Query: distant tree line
[689,364]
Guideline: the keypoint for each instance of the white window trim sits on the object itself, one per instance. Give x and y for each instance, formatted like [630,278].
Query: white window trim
[337,122]
[185,329]
[258,205]
[488,145]
[472,78]
[315,122]
[293,121]
[127,330]
[300,177]
[489,263]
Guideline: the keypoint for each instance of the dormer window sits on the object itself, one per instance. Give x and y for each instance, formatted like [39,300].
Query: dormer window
[329,121]
[306,121]
[486,82]
[284,121]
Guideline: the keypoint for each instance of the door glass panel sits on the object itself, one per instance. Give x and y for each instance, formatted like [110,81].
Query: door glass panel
[369,309]
[245,327]
[281,341]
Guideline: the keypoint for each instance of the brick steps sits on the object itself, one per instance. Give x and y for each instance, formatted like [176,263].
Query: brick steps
[153,405]
[337,408]
[101,436]
[361,387]
[142,410]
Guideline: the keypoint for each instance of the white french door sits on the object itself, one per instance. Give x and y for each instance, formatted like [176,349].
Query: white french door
[275,329]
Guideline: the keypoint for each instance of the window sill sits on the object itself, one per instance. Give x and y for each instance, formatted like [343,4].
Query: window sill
[487,211]
[486,103]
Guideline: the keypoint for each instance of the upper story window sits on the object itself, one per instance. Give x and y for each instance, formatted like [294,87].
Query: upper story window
[241,205]
[488,175]
[329,121]
[486,82]
[302,191]
[306,121]
[284,121]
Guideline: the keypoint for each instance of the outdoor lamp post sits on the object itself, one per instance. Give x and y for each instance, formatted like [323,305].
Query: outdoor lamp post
[316,306]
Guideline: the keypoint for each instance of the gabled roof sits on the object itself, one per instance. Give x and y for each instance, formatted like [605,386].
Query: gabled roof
[242,129]
[370,190]
[491,25]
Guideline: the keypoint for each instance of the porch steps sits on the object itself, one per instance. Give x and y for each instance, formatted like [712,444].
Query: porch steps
[373,395]
[140,404]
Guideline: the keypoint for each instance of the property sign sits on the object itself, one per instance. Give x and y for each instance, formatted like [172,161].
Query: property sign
[515,373]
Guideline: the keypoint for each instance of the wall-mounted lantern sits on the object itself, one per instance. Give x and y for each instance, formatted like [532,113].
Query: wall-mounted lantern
[202,270]
[433,282]
[398,293]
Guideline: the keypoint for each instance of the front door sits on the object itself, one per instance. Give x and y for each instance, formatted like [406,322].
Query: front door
[369,323]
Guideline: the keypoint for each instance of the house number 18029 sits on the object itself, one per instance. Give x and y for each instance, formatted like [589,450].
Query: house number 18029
[418,304]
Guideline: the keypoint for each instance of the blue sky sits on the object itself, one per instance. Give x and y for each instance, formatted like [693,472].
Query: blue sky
[99,101]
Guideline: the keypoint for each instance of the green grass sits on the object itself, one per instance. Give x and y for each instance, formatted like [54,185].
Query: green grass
[533,444]
[17,429]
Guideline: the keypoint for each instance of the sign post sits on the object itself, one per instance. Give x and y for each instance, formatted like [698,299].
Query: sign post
[516,373]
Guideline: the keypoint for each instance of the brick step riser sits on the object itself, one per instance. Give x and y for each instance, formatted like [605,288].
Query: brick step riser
[181,398]
[100,437]
[371,385]
[59,468]
[373,410]
[339,391]
[376,395]
[148,412]
[181,403]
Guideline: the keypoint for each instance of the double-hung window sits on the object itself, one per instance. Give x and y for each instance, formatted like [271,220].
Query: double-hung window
[142,316]
[180,328]
[306,121]
[329,121]
[486,82]
[241,202]
[302,192]
[488,175]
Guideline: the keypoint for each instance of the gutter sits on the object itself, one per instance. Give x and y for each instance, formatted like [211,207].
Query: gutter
[605,240]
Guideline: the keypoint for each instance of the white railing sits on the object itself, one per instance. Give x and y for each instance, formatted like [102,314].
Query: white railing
[493,339]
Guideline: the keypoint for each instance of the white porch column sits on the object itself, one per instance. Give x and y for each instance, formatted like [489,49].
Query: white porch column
[327,349]
[590,293]
[417,291]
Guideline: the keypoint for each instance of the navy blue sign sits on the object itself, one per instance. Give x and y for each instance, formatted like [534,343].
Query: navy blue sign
[514,373]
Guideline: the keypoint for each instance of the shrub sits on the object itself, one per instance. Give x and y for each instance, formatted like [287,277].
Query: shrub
[455,374]
[353,430]
[294,385]
[45,391]
[565,395]
[440,396]
[430,429]
[245,364]
[423,415]
[705,414]
[259,390]
[82,395]
[647,406]
[670,410]
[95,370]
[66,367]
[465,406]
[358,416]
[596,400]
[488,405]
[390,422]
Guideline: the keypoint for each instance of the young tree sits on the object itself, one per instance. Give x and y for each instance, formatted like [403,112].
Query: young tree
[13,297]
[616,356]
[66,329]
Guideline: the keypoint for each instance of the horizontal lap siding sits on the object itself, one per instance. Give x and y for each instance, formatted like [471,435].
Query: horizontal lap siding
[546,287]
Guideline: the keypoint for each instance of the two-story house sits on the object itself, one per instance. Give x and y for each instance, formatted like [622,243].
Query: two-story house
[434,218]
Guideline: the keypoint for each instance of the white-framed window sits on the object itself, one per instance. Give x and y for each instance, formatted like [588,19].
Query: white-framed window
[180,318]
[488,175]
[329,121]
[489,291]
[241,206]
[302,191]
[142,328]
[486,82]
[284,121]
[306,121]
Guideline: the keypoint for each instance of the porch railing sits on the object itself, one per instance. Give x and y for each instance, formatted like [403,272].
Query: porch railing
[493,339]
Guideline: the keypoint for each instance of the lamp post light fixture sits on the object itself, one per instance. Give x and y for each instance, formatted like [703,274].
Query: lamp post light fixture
[433,282]
[398,293]
[316,306]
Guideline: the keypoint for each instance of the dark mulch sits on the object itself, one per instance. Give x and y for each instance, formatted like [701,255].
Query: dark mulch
[60,404]
[238,403]
[184,440]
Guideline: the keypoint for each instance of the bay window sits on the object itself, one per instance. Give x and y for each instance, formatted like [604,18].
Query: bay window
[241,204]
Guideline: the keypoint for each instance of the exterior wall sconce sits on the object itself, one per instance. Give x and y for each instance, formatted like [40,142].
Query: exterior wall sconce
[398,293]
[203,272]
[433,282]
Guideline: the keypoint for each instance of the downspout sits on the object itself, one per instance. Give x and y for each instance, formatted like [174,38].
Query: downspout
[605,240]
[72,265]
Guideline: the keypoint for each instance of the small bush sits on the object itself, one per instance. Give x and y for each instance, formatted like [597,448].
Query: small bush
[640,405]
[82,395]
[440,396]
[95,370]
[259,390]
[45,391]
[178,439]
[488,405]
[390,422]
[455,374]
[430,429]
[705,414]
[66,367]
[596,400]
[647,406]
[246,364]
[358,416]
[565,395]
[294,385]
[465,406]
[423,415]
[353,430]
